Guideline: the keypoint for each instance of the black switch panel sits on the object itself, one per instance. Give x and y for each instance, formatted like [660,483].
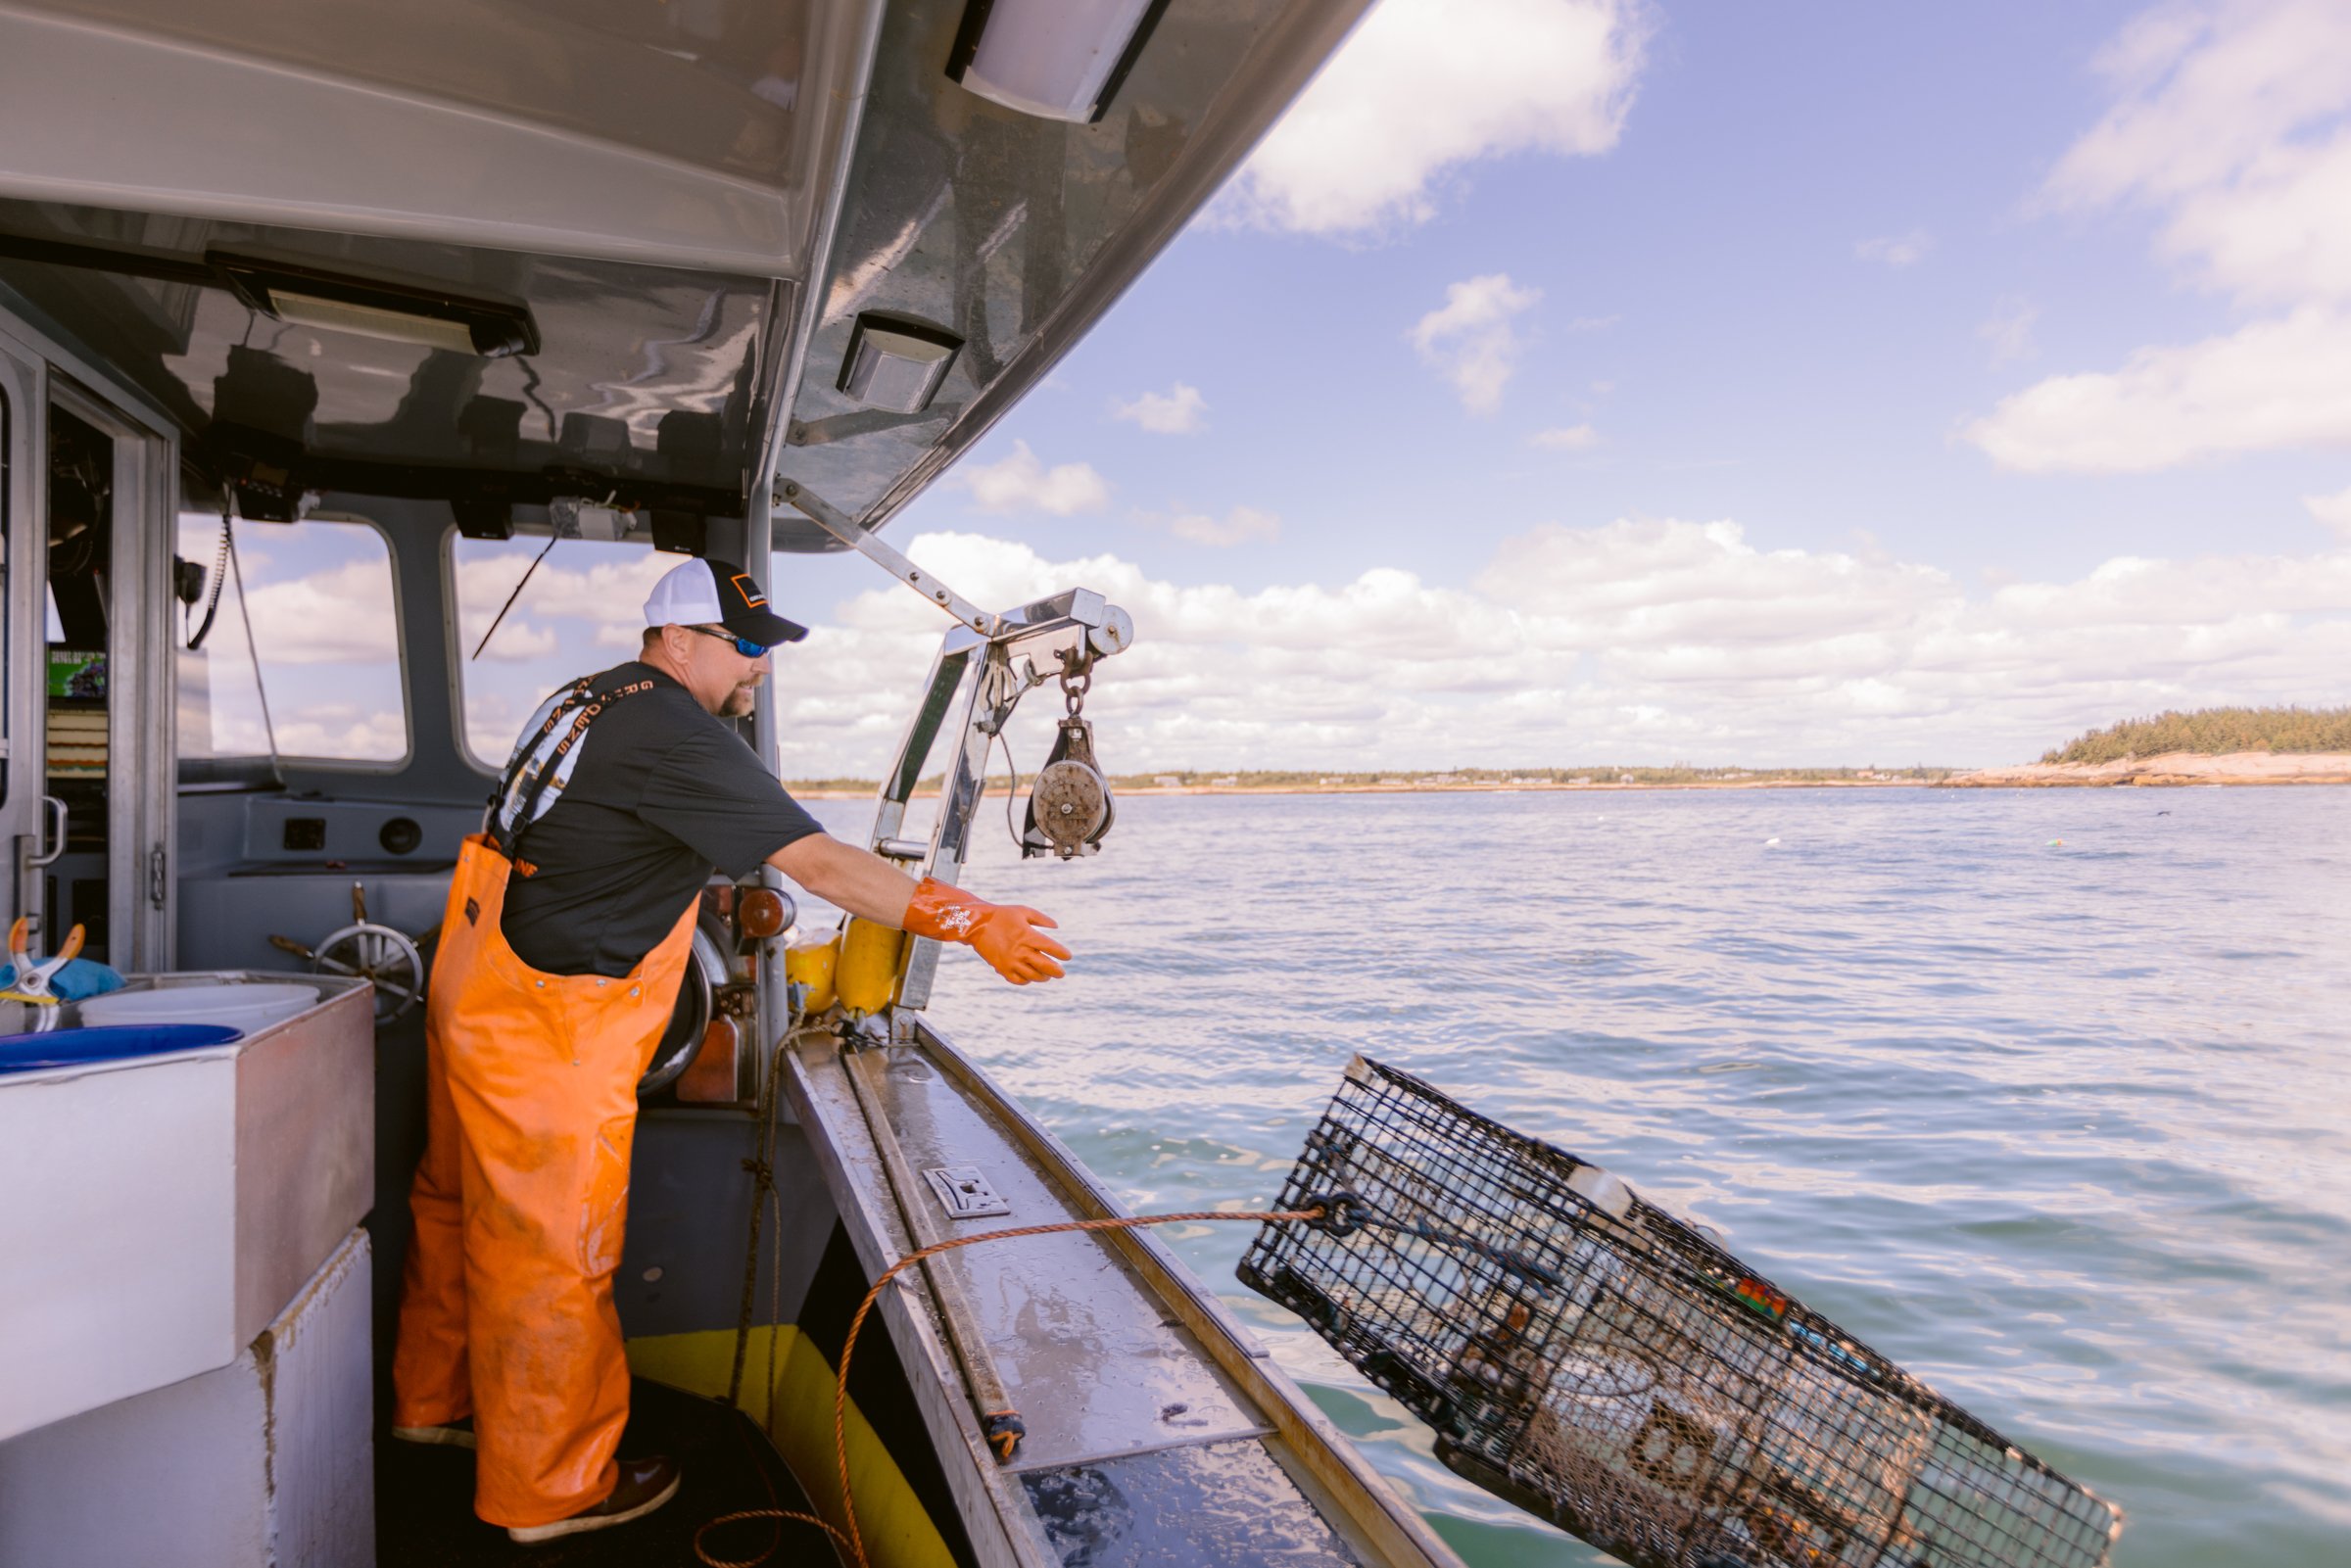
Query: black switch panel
[304,833]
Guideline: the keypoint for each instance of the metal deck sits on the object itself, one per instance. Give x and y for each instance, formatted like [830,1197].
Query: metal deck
[1158,1429]
[424,1499]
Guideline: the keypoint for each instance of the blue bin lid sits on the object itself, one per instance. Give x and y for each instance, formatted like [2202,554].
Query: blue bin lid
[116,1042]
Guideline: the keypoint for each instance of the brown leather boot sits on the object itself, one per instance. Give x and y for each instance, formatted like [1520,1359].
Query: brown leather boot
[644,1485]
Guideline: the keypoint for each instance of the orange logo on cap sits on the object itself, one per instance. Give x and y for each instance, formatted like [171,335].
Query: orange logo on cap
[744,586]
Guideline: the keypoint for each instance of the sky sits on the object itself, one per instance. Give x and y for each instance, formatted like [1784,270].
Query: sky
[1577,381]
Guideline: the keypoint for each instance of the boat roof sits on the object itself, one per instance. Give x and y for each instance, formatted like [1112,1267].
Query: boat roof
[690,205]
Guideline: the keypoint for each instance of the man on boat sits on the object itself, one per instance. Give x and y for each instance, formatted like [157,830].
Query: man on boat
[561,952]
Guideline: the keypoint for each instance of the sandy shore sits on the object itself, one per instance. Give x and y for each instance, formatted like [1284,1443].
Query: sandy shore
[1410,788]
[2176,768]
[2173,768]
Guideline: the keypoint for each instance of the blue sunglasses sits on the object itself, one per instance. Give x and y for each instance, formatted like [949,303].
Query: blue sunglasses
[743,644]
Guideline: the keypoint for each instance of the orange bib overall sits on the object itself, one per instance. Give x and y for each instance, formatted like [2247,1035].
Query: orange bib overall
[505,1308]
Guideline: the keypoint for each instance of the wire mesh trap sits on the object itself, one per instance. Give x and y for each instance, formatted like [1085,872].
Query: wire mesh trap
[1601,1364]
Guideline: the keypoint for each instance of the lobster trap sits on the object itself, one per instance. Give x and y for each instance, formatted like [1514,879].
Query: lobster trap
[1599,1362]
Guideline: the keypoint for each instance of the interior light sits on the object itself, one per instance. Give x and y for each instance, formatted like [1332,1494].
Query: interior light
[896,365]
[424,315]
[399,312]
[370,321]
[1057,59]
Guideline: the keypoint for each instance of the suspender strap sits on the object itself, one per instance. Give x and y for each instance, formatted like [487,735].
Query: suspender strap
[545,757]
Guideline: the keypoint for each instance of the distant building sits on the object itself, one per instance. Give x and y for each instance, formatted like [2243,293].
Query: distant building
[1624,778]
[1227,780]
[1584,778]
[1169,780]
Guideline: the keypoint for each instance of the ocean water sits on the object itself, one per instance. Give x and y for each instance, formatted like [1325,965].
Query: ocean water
[2044,1094]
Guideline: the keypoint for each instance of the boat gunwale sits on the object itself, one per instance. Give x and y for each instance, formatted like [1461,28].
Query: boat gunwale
[1339,1481]
[869,1216]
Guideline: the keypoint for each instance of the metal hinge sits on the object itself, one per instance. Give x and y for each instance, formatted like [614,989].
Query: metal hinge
[964,1193]
[159,876]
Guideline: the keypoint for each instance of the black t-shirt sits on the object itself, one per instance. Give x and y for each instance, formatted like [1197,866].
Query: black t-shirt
[662,794]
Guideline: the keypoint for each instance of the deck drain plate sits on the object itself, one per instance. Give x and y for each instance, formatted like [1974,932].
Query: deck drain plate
[964,1193]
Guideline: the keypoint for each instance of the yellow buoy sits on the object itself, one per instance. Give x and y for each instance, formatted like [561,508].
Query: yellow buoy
[809,960]
[871,959]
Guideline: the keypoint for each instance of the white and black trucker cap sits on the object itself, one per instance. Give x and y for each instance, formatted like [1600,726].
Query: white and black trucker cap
[708,593]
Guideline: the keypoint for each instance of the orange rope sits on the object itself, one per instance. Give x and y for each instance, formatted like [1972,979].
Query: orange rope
[855,1540]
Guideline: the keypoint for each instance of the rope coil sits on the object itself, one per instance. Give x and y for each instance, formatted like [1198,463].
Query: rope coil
[853,1538]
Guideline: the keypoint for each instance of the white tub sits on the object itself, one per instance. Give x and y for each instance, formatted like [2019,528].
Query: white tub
[156,1215]
[249,1006]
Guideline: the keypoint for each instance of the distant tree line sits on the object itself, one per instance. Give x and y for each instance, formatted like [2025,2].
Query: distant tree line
[2213,731]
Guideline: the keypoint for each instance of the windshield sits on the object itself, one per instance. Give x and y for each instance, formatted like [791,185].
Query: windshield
[581,611]
[326,683]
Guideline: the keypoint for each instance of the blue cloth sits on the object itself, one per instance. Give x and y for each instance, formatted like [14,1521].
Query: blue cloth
[77,979]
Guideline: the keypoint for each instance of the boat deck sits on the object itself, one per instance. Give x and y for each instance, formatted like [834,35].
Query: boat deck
[424,1499]
[1157,1430]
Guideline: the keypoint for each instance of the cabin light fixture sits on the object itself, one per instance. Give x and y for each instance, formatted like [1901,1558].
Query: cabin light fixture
[896,365]
[397,313]
[1055,59]
[307,295]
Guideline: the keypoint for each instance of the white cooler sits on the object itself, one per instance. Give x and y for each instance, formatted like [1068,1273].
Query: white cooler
[157,1213]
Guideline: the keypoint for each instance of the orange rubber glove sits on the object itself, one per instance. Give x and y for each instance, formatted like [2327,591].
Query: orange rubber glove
[1005,934]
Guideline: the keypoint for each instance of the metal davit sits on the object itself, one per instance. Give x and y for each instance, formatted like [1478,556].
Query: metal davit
[1592,1359]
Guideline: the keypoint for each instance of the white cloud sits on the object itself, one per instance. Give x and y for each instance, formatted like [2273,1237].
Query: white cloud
[1175,411]
[342,615]
[1020,483]
[1896,249]
[516,642]
[1240,526]
[337,729]
[2231,120]
[2009,331]
[1566,438]
[372,736]
[1424,87]
[603,584]
[2278,383]
[1637,641]
[1471,339]
[2332,511]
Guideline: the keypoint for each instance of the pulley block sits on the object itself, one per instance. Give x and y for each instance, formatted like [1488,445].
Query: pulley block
[1069,807]
[1068,803]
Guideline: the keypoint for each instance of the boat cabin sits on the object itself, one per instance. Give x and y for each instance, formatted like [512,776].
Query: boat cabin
[318,326]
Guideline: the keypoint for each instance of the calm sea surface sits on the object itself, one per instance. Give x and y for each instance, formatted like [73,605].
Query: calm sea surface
[2044,1094]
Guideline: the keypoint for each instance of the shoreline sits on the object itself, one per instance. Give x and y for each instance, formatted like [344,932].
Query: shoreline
[2173,770]
[2177,770]
[1124,791]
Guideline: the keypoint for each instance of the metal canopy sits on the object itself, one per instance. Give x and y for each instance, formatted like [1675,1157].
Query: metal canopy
[1016,234]
[655,184]
[649,181]
[646,374]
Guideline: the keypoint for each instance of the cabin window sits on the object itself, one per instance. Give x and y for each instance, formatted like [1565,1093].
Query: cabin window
[582,612]
[322,669]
